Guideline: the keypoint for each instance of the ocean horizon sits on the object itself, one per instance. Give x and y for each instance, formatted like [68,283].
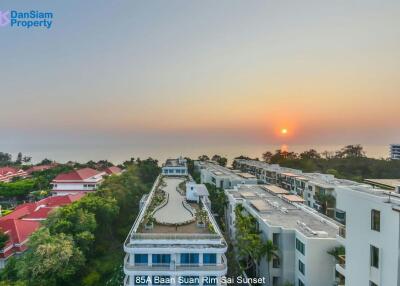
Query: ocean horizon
[117,153]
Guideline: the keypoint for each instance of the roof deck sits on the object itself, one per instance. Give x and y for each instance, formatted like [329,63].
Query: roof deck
[170,213]
[287,212]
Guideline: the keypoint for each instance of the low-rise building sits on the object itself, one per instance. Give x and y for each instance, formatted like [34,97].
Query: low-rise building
[8,173]
[113,170]
[223,177]
[77,181]
[174,241]
[302,236]
[175,167]
[395,151]
[24,220]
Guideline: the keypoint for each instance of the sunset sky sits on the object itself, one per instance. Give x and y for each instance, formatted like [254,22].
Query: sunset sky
[212,71]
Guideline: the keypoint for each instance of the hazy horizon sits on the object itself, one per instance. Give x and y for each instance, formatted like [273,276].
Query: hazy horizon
[198,75]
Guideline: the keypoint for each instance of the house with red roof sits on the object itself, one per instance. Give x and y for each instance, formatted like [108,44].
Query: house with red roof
[40,168]
[113,170]
[25,220]
[77,181]
[7,173]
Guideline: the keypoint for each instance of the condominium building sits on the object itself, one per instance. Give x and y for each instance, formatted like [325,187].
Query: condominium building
[223,177]
[318,190]
[395,151]
[175,167]
[371,237]
[302,235]
[174,241]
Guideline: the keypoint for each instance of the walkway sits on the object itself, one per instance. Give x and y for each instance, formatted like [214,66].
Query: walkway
[173,212]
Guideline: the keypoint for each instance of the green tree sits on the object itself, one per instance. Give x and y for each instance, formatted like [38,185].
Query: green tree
[267,156]
[310,154]
[19,158]
[203,158]
[3,238]
[50,259]
[222,161]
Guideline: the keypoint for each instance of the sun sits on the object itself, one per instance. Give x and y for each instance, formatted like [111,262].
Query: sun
[284,131]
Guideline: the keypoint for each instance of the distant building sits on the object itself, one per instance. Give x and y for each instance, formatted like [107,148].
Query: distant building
[395,151]
[8,173]
[40,168]
[78,181]
[24,220]
[113,170]
[175,167]
[223,177]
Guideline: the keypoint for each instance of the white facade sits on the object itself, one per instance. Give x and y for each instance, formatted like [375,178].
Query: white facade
[307,185]
[66,187]
[288,225]
[362,232]
[222,177]
[195,192]
[395,151]
[175,253]
[175,167]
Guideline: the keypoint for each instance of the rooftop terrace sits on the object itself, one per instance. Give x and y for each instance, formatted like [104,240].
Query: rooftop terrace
[167,212]
[279,210]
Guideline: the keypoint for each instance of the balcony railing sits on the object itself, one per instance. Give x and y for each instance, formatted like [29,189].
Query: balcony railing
[175,267]
[342,261]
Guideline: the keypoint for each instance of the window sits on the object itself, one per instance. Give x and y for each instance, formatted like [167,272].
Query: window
[275,281]
[209,258]
[161,258]
[374,256]
[189,258]
[301,267]
[276,263]
[275,239]
[301,283]
[300,246]
[141,258]
[161,280]
[375,220]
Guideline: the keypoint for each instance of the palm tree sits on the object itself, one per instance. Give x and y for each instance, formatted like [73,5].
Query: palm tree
[325,200]
[269,250]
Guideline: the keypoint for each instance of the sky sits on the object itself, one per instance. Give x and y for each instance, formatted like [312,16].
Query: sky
[202,72]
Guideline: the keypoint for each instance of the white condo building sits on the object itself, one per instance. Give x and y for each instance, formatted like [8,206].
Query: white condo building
[174,241]
[223,177]
[395,151]
[371,237]
[302,235]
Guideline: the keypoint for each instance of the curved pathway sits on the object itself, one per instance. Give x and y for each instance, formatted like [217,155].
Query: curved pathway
[173,212]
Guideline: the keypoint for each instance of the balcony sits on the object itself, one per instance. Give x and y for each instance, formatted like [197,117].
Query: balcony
[342,232]
[167,267]
[341,265]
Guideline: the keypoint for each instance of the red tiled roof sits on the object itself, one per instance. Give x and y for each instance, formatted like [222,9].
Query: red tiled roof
[39,168]
[113,170]
[6,170]
[23,221]
[78,175]
[18,230]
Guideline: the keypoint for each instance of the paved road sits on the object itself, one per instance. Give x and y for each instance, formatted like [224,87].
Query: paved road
[173,212]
